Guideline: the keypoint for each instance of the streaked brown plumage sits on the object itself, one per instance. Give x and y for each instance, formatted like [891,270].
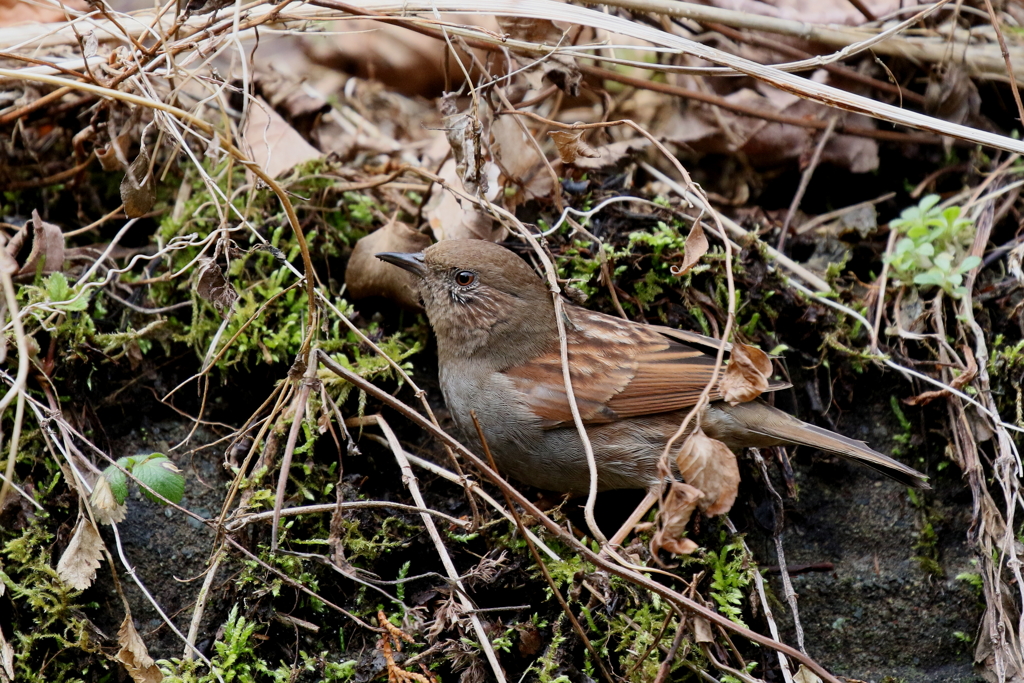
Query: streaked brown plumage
[498,354]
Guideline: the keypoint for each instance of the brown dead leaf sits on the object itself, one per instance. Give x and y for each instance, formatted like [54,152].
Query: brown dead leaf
[951,94]
[134,655]
[747,374]
[113,155]
[516,155]
[47,253]
[452,218]
[410,63]
[710,466]
[612,154]
[805,675]
[104,505]
[679,505]
[301,106]
[571,146]
[275,146]
[367,275]
[557,68]
[696,246]
[26,12]
[212,286]
[77,566]
[702,630]
[137,193]
[464,133]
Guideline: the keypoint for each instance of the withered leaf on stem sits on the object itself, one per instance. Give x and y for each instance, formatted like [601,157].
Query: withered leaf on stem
[212,286]
[77,566]
[104,503]
[464,133]
[696,246]
[571,146]
[134,655]
[679,505]
[710,466]
[137,193]
[746,376]
[367,275]
[112,154]
[47,253]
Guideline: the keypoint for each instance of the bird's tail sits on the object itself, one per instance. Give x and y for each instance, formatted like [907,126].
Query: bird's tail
[765,426]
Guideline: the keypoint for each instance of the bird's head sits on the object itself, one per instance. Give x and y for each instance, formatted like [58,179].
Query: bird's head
[480,298]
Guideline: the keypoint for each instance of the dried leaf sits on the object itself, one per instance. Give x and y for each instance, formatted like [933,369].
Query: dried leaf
[747,374]
[452,218]
[696,247]
[951,94]
[409,63]
[463,131]
[710,466]
[113,156]
[77,566]
[613,154]
[275,146]
[134,655]
[212,286]
[137,193]
[1013,262]
[702,630]
[367,275]
[516,155]
[571,146]
[22,12]
[805,675]
[679,505]
[557,68]
[104,504]
[47,253]
[91,44]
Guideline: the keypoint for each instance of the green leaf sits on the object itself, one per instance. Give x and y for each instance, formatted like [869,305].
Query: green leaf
[969,263]
[62,295]
[928,202]
[943,261]
[118,483]
[933,276]
[160,474]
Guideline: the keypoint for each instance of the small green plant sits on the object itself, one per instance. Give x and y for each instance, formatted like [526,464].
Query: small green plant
[154,470]
[933,246]
[972,579]
[731,573]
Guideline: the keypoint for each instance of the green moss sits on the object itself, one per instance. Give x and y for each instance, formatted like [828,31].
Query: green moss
[236,660]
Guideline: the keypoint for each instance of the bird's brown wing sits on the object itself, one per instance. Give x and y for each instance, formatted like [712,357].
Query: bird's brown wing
[619,369]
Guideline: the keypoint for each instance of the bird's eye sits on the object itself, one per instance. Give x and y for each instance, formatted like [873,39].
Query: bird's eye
[464,278]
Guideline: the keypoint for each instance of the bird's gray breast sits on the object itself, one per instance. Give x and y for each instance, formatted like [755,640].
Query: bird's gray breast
[515,437]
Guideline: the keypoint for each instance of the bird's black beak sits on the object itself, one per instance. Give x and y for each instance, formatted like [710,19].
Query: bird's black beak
[411,262]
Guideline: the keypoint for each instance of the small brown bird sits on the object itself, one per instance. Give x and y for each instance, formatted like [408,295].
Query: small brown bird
[498,354]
